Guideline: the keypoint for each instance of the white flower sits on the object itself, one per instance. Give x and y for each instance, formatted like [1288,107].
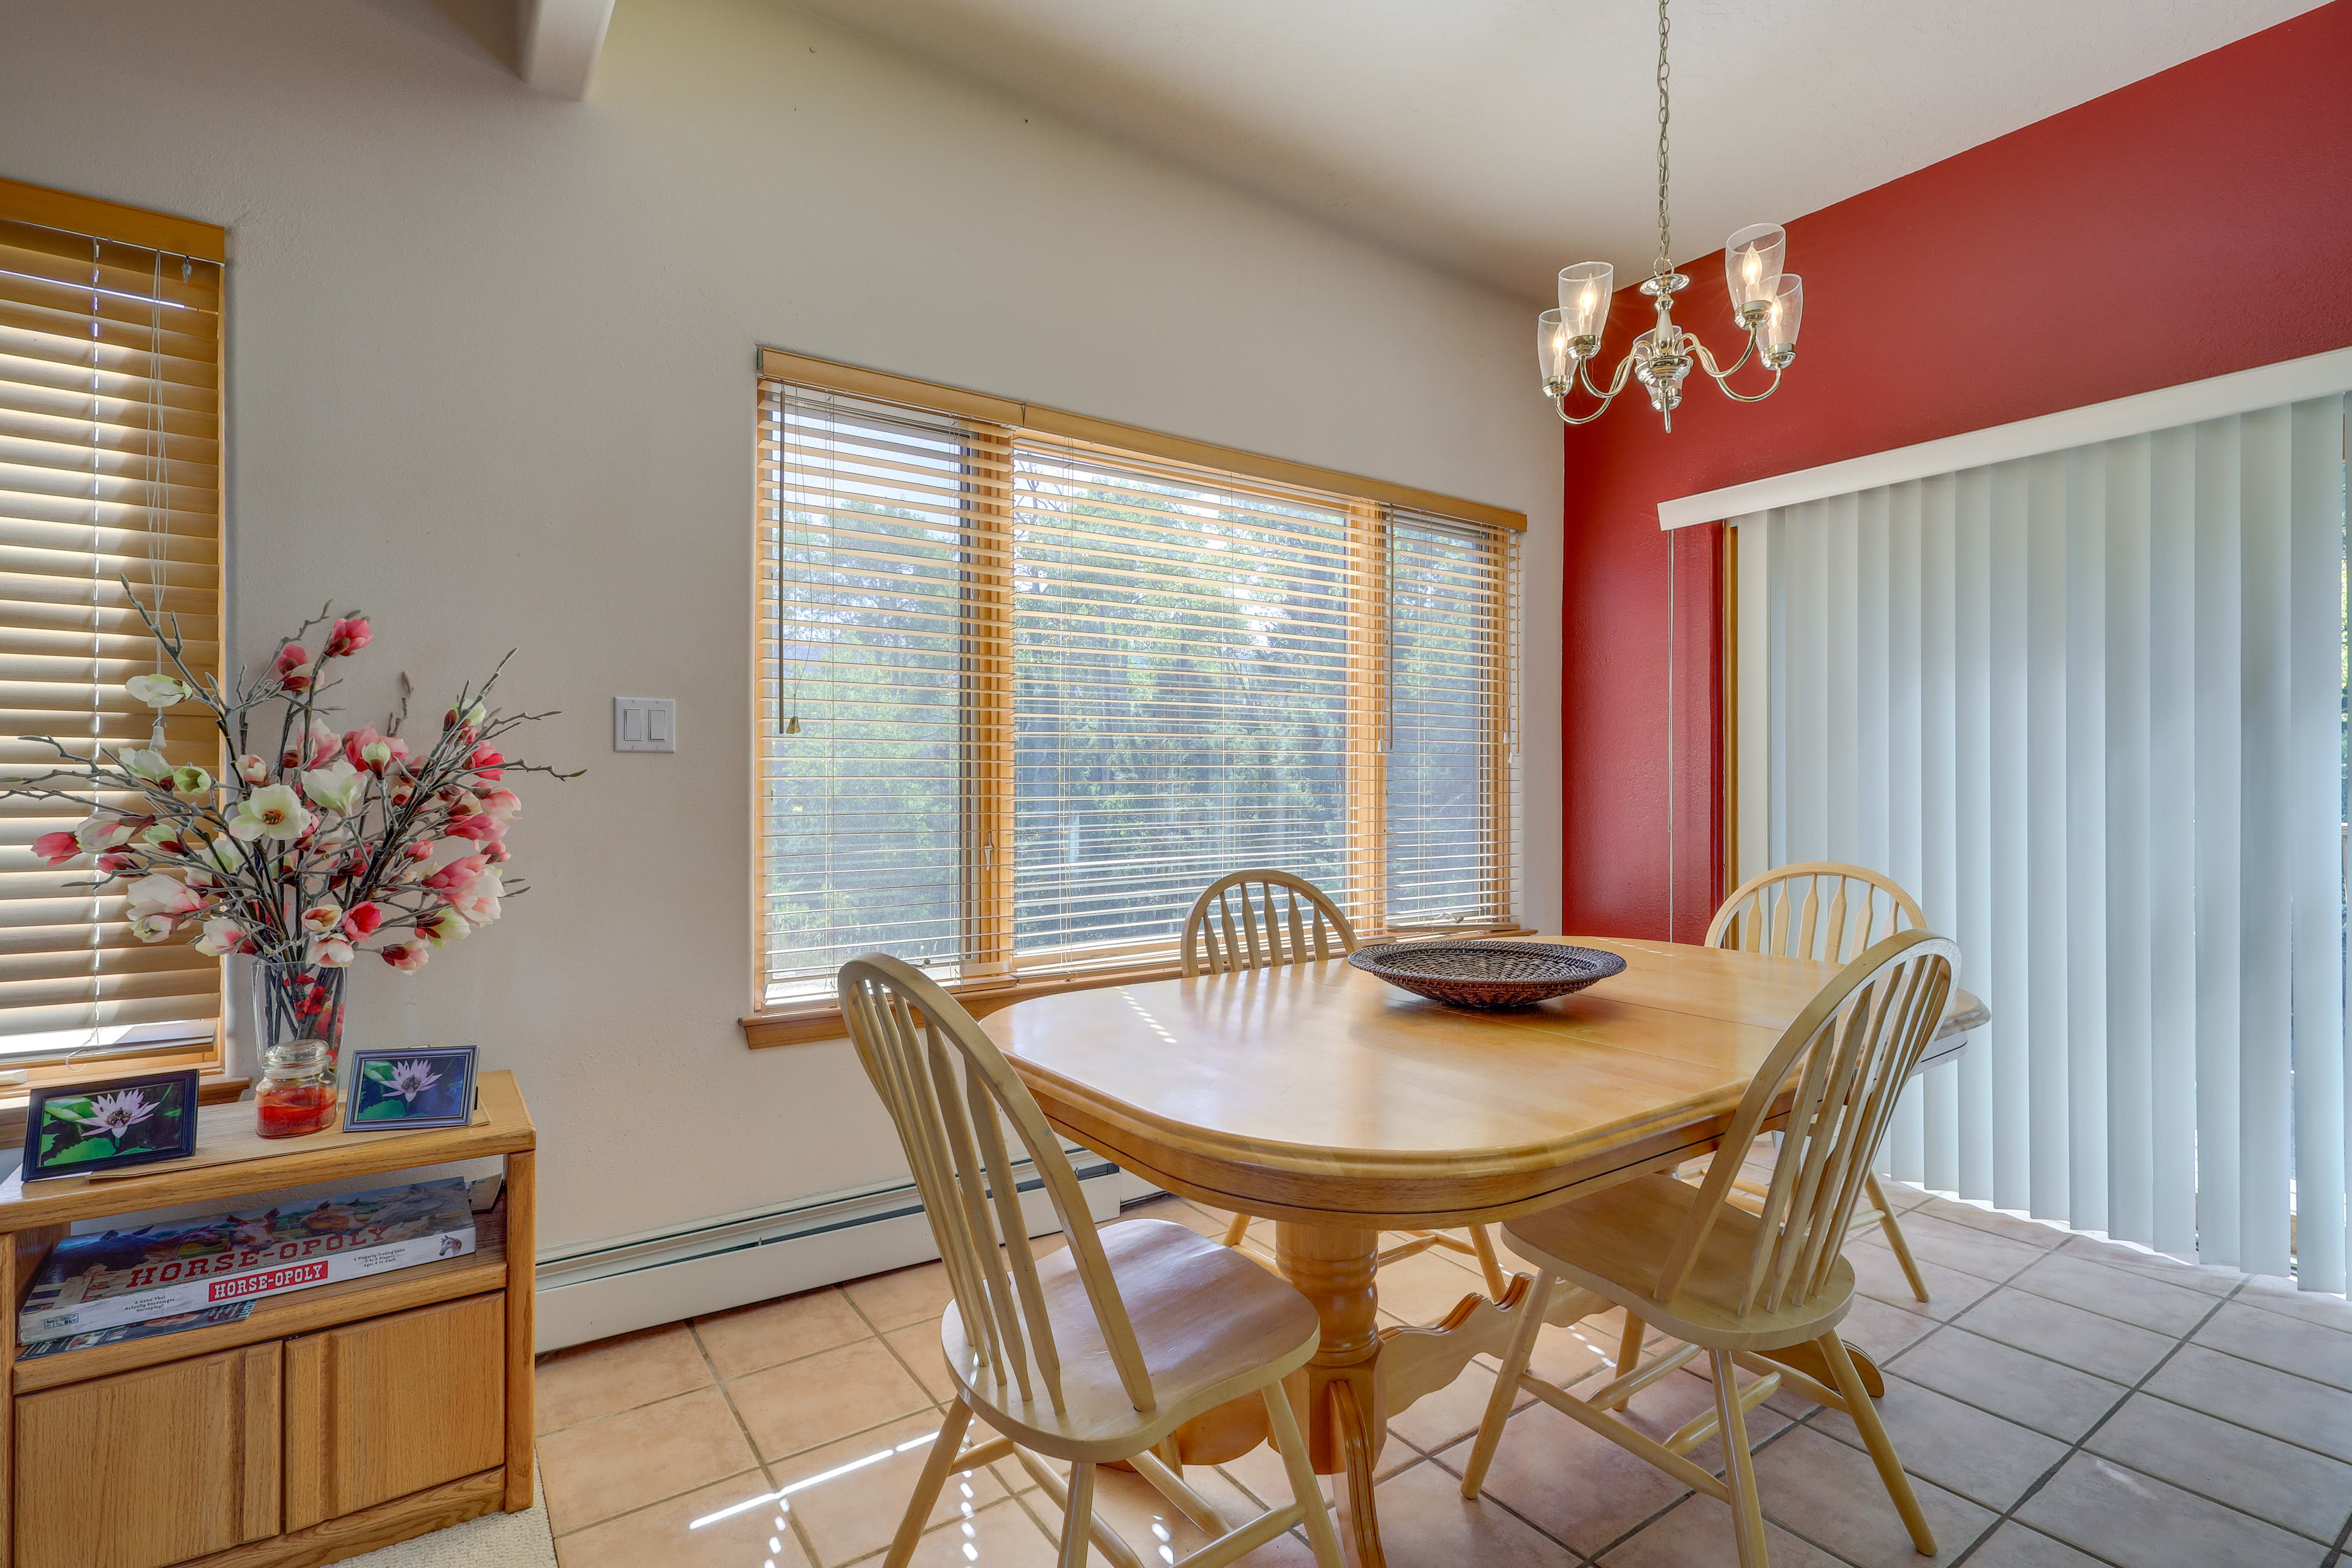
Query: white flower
[191,784]
[478,900]
[155,690]
[115,1114]
[333,951]
[153,927]
[220,938]
[324,917]
[273,811]
[147,765]
[156,894]
[338,788]
[97,833]
[409,1079]
[226,854]
[442,927]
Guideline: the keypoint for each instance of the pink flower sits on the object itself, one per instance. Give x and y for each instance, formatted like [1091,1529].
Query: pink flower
[321,917]
[162,895]
[332,952]
[481,829]
[252,769]
[222,937]
[293,668]
[368,748]
[502,803]
[479,899]
[115,863]
[106,832]
[57,848]
[322,743]
[347,637]
[457,873]
[362,920]
[407,956]
[485,763]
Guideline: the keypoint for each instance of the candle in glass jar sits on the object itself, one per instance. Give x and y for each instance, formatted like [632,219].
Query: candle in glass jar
[297,1090]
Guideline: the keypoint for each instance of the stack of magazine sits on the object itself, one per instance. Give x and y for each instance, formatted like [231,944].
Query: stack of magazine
[163,1278]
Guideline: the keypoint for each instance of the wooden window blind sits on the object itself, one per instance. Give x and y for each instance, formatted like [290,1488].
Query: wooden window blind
[1021,695]
[109,469]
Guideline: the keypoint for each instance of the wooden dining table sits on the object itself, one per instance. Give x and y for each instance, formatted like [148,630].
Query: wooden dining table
[1338,1107]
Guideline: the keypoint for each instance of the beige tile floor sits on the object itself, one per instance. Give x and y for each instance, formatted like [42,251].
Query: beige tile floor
[2061,1402]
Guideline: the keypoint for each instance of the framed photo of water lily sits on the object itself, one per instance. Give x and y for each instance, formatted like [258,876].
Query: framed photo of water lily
[423,1086]
[72,1129]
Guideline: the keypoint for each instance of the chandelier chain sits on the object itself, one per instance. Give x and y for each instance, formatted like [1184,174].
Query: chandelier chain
[1665,263]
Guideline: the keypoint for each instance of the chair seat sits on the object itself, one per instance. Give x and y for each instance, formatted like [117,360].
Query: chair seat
[1212,1326]
[1615,1242]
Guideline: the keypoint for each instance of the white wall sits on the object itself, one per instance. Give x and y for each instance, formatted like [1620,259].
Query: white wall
[492,379]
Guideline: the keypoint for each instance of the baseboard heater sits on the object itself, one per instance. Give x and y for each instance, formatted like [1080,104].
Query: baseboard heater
[590,1290]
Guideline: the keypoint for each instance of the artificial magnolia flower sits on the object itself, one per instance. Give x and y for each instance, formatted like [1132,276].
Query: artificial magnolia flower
[442,927]
[222,937]
[313,749]
[408,957]
[320,918]
[191,785]
[153,927]
[349,636]
[293,668]
[252,769]
[103,832]
[457,873]
[57,848]
[273,811]
[338,788]
[155,690]
[225,853]
[485,763]
[156,894]
[144,764]
[480,828]
[115,863]
[362,920]
[333,951]
[502,803]
[478,900]
[367,747]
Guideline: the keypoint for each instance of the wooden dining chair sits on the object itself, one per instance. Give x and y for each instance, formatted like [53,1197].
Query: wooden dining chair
[1783,912]
[1732,1283]
[1090,1354]
[1260,919]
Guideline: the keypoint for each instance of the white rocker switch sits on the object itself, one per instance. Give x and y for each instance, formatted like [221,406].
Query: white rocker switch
[645,723]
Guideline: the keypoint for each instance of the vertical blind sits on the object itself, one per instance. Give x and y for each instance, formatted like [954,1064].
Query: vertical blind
[1022,696]
[2089,708]
[109,469]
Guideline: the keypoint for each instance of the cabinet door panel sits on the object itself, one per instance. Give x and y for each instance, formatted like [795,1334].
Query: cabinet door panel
[150,1466]
[378,1409]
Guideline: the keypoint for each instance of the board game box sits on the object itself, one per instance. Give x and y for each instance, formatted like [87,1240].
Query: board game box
[101,1280]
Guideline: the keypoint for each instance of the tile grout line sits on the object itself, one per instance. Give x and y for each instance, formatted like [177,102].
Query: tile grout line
[791,1515]
[2077,1446]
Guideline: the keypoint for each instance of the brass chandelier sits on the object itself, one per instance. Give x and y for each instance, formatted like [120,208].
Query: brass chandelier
[1765,302]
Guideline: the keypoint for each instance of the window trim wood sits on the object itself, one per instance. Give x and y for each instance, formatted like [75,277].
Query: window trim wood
[74,213]
[992,977]
[831,375]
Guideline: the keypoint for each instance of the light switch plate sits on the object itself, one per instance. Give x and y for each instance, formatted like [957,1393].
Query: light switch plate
[645,723]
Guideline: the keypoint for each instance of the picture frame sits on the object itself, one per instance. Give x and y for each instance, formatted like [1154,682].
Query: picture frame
[421,1086]
[75,1129]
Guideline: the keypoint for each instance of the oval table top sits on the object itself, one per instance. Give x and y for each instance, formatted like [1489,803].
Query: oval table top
[1317,1093]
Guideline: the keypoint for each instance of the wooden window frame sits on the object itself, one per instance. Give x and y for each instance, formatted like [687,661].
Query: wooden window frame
[199,241]
[991,977]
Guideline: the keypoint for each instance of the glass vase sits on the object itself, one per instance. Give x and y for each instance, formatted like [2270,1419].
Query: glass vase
[298,1001]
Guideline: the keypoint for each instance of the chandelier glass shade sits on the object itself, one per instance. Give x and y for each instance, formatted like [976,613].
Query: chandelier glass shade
[1767,306]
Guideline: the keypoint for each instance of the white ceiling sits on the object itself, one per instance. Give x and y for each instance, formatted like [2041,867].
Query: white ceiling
[1503,138]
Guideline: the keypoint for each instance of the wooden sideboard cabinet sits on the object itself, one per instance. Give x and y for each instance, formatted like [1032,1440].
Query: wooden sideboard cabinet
[330,1422]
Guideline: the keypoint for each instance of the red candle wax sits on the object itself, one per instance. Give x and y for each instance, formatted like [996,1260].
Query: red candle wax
[293,1111]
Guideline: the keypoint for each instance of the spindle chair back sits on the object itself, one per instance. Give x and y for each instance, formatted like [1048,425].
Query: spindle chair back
[1260,919]
[1822,910]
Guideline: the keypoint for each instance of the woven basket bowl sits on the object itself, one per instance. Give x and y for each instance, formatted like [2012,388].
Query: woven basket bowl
[1487,974]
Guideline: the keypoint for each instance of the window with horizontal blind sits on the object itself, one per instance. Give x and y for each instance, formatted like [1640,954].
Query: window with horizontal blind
[1024,693]
[109,469]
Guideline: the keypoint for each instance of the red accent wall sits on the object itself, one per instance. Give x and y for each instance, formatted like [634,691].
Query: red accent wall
[2189,224]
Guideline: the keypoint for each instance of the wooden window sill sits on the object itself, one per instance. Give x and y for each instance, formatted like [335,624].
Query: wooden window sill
[809,1021]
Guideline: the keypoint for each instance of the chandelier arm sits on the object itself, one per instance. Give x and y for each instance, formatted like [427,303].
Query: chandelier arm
[1748,396]
[1708,360]
[1616,386]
